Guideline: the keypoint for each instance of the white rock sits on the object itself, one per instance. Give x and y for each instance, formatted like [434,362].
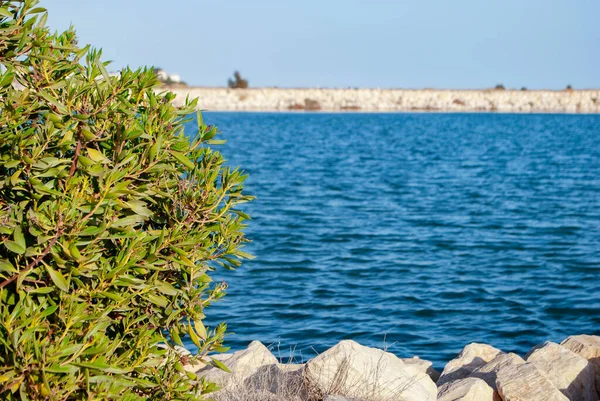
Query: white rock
[242,364]
[572,374]
[423,366]
[524,382]
[588,347]
[469,389]
[470,358]
[352,370]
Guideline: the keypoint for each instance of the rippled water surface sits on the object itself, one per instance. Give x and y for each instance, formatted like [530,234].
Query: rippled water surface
[426,231]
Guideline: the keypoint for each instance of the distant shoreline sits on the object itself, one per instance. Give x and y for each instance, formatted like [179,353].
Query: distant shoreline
[585,101]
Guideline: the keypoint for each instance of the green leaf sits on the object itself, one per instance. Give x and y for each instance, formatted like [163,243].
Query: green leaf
[58,279]
[49,311]
[97,156]
[18,237]
[14,247]
[42,290]
[128,221]
[139,207]
[183,160]
[6,266]
[91,231]
[52,100]
[5,13]
[200,329]
[42,22]
[166,288]
[193,336]
[64,369]
[218,364]
[175,336]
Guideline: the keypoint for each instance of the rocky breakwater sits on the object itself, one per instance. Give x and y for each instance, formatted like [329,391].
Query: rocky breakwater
[352,372]
[391,100]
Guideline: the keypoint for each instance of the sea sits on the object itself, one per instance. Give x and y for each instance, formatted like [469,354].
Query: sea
[415,232]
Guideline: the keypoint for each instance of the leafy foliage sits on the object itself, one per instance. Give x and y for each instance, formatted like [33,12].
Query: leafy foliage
[238,82]
[110,221]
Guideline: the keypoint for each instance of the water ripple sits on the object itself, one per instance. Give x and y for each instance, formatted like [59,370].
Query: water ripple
[423,231]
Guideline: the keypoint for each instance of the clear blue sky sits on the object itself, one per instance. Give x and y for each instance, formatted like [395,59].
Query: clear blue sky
[341,43]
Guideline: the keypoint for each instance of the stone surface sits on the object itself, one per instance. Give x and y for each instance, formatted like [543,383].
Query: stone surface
[588,347]
[469,389]
[524,382]
[242,364]
[352,370]
[572,374]
[489,371]
[470,358]
[280,99]
[423,366]
[282,380]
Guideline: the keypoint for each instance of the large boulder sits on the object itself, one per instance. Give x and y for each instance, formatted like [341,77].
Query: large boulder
[572,374]
[524,382]
[588,347]
[468,389]
[355,371]
[423,366]
[283,380]
[242,365]
[489,371]
[470,358]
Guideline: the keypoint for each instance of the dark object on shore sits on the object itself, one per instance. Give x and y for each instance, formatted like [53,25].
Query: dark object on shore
[523,89]
[309,104]
[499,87]
[569,88]
[238,82]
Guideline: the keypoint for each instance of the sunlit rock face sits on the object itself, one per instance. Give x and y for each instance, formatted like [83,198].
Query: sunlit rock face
[277,99]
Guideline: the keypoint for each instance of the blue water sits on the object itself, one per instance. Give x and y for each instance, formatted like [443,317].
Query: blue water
[422,231]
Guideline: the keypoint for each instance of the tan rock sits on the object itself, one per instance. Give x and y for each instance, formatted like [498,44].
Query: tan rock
[572,374]
[469,389]
[352,370]
[242,365]
[524,382]
[489,371]
[423,366]
[470,358]
[588,347]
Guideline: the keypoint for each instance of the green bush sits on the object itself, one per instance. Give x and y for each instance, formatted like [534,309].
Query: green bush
[110,221]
